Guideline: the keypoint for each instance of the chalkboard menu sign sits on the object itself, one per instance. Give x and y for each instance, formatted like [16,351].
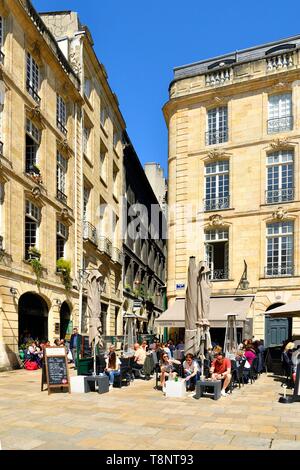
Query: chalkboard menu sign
[55,369]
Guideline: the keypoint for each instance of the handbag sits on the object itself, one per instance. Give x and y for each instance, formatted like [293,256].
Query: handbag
[69,356]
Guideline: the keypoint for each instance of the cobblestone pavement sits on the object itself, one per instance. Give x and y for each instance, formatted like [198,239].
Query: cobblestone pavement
[139,417]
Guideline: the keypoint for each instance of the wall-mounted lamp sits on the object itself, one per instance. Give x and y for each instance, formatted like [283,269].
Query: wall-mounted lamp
[13,291]
[244,283]
[58,302]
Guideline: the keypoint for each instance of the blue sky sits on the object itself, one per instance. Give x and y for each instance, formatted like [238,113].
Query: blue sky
[141,41]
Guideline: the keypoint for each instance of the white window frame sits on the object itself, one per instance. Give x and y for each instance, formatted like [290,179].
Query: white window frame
[86,137]
[280,107]
[219,171]
[285,229]
[217,125]
[32,75]
[62,232]
[61,114]
[61,173]
[86,198]
[211,238]
[280,159]
[33,212]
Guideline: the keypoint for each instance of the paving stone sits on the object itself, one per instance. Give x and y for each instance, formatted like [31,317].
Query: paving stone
[280,444]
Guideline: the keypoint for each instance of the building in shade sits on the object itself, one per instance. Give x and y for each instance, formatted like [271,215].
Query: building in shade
[158,182]
[234,128]
[144,246]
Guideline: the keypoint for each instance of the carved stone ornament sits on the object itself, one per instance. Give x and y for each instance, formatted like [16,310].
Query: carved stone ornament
[279,144]
[214,154]
[36,192]
[64,147]
[75,59]
[218,100]
[279,213]
[281,85]
[216,220]
[65,216]
[35,115]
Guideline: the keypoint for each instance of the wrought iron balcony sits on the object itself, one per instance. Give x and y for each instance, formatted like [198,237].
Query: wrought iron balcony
[281,124]
[219,274]
[61,196]
[89,232]
[217,203]
[105,246]
[216,137]
[32,91]
[2,57]
[117,255]
[274,270]
[274,196]
[61,127]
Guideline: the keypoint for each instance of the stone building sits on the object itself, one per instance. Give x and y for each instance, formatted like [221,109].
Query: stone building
[40,135]
[144,245]
[234,185]
[155,175]
[100,169]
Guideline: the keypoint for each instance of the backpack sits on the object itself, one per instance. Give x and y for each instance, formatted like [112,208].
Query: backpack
[31,365]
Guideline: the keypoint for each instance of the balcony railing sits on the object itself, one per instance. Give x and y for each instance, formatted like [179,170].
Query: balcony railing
[219,274]
[274,196]
[61,196]
[117,255]
[281,61]
[2,57]
[31,90]
[216,137]
[217,203]
[105,245]
[273,270]
[218,78]
[281,124]
[89,232]
[61,127]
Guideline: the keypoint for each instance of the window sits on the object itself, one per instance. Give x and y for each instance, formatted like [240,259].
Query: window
[103,317]
[280,242]
[103,116]
[1,31]
[217,186]
[87,87]
[61,115]
[116,319]
[61,238]
[216,252]
[280,113]
[116,138]
[103,162]
[33,138]
[86,136]
[86,196]
[32,78]
[61,172]
[32,222]
[280,177]
[115,181]
[217,131]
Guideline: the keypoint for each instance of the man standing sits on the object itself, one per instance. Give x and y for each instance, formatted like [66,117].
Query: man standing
[221,370]
[75,337]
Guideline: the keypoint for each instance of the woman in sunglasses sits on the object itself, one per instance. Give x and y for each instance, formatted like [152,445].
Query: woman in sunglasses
[167,368]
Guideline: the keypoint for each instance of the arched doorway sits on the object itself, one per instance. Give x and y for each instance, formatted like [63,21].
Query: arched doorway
[277,330]
[65,321]
[33,317]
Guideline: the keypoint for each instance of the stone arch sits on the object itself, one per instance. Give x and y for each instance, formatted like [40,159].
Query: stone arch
[33,311]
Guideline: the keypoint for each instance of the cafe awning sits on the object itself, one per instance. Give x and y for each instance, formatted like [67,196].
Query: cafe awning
[220,307]
[288,310]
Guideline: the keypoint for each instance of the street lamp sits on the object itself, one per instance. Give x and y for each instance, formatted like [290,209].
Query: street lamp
[244,281]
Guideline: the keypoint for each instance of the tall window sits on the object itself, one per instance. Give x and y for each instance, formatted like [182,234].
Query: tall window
[86,196]
[33,138]
[115,180]
[61,238]
[61,172]
[116,137]
[32,78]
[103,115]
[87,87]
[216,251]
[1,40]
[217,185]
[86,136]
[32,222]
[280,177]
[103,162]
[280,243]
[117,310]
[104,308]
[280,113]
[217,126]
[61,115]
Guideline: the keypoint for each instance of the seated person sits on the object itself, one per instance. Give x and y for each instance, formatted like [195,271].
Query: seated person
[191,371]
[167,368]
[139,357]
[34,354]
[112,367]
[221,370]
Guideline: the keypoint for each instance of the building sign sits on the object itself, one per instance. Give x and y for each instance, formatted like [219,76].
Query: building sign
[180,286]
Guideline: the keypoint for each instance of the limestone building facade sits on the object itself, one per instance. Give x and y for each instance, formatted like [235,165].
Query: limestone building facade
[234,183]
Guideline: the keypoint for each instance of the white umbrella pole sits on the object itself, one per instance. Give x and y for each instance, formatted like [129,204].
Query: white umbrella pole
[94,373]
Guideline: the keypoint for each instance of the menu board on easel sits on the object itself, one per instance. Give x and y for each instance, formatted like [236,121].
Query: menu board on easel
[55,371]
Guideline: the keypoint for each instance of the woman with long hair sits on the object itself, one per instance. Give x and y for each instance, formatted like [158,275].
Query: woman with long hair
[112,367]
[166,367]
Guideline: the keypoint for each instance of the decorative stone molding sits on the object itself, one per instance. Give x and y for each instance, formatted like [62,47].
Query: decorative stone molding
[35,115]
[280,143]
[281,85]
[64,147]
[65,216]
[36,192]
[216,221]
[75,59]
[215,154]
[279,214]
[219,101]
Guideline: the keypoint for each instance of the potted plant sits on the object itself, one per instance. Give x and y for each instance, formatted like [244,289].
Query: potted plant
[35,169]
[34,253]
[128,288]
[63,267]
[37,268]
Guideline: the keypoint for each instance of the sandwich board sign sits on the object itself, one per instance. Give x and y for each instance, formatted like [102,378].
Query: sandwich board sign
[55,372]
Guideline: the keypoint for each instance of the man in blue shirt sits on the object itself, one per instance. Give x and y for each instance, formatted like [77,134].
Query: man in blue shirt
[73,345]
